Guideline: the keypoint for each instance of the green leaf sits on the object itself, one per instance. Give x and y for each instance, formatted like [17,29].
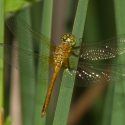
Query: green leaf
[1,51]
[7,121]
[27,84]
[13,5]
[114,110]
[41,21]
[118,109]
[65,95]
[45,28]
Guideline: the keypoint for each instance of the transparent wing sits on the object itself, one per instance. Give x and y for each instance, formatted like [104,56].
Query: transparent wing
[98,74]
[24,61]
[23,31]
[106,49]
[93,74]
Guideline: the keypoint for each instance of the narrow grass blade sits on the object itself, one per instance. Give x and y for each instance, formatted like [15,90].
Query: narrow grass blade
[27,84]
[14,5]
[114,105]
[45,12]
[1,61]
[65,95]
[118,110]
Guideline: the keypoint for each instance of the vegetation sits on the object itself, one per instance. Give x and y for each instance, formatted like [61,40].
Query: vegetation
[93,20]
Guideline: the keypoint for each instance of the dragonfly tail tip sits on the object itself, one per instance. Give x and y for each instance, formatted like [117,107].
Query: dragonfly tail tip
[42,114]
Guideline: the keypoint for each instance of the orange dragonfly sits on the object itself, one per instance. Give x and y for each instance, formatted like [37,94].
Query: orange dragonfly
[88,71]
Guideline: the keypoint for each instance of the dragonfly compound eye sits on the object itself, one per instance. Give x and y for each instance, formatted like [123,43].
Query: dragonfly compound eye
[69,38]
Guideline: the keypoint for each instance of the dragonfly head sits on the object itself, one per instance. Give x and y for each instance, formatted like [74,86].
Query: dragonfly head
[69,38]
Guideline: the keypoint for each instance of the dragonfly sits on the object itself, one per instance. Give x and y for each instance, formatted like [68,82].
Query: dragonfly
[88,72]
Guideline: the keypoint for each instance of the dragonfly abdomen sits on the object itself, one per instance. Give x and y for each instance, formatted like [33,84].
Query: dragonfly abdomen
[48,95]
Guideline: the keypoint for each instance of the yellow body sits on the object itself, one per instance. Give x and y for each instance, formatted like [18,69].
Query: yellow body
[60,59]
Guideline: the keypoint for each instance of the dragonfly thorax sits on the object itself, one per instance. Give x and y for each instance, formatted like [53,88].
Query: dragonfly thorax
[69,39]
[63,50]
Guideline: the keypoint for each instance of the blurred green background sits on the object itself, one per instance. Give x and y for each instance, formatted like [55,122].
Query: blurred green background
[23,96]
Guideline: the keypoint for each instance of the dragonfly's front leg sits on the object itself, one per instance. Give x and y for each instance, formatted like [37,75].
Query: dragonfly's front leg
[75,51]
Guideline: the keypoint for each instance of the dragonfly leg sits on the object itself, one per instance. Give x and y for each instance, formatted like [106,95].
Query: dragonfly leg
[75,51]
[75,47]
[74,54]
[67,65]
